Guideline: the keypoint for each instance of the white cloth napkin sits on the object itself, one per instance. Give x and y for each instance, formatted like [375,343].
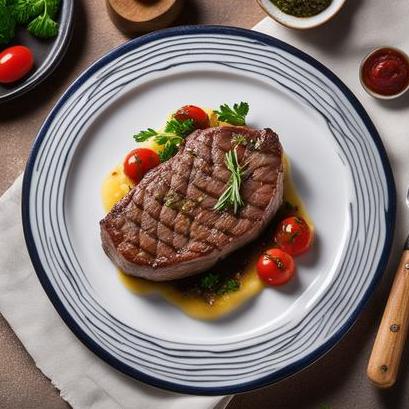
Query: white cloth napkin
[87,382]
[84,380]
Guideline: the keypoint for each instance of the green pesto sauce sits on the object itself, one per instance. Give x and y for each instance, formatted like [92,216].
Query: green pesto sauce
[302,8]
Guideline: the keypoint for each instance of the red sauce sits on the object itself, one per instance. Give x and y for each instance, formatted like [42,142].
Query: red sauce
[386,72]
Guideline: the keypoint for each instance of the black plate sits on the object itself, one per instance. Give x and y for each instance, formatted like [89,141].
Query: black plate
[47,53]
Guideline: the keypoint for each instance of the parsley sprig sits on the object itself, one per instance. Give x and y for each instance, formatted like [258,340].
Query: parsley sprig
[171,138]
[37,15]
[234,116]
[231,198]
[214,283]
[43,26]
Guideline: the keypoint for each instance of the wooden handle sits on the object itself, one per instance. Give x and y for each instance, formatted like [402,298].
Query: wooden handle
[387,351]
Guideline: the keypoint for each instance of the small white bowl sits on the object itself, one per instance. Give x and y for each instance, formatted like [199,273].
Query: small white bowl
[368,90]
[301,23]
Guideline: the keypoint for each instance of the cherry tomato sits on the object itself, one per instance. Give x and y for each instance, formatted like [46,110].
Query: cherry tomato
[200,118]
[293,235]
[139,161]
[275,267]
[15,63]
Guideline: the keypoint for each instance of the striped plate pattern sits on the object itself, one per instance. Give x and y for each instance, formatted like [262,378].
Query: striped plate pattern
[274,352]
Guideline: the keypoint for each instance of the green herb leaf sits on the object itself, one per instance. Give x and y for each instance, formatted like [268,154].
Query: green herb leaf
[38,7]
[180,128]
[231,198]
[234,116]
[171,138]
[7,23]
[229,286]
[173,200]
[168,151]
[8,3]
[209,281]
[23,11]
[43,27]
[303,8]
[52,7]
[143,136]
[166,138]
[239,139]
[42,11]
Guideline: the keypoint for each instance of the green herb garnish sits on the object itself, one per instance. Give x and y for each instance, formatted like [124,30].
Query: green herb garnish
[229,286]
[170,200]
[38,15]
[255,144]
[170,149]
[23,11]
[234,116]
[43,27]
[209,282]
[231,198]
[7,23]
[302,8]
[180,128]
[213,283]
[239,139]
[173,135]
[143,136]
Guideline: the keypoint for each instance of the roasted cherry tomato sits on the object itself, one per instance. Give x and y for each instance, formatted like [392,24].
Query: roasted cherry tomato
[293,235]
[275,267]
[200,118]
[139,161]
[15,63]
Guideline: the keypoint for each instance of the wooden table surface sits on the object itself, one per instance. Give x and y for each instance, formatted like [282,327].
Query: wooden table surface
[336,381]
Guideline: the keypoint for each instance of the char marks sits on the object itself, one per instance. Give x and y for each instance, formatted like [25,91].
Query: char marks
[167,223]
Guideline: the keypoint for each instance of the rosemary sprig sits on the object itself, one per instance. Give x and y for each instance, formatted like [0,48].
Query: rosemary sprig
[238,139]
[231,198]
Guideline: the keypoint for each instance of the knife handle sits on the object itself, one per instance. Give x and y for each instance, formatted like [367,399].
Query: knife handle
[387,350]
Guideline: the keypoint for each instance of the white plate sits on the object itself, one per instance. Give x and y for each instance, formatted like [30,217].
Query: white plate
[339,167]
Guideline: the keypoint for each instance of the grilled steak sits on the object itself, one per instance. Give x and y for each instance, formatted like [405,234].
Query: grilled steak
[165,228]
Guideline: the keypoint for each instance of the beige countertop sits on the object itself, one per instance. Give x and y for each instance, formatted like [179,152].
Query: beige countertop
[337,380]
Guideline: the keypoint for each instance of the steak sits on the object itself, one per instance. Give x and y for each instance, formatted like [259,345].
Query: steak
[165,228]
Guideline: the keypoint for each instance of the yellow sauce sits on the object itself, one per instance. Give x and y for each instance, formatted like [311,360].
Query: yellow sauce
[197,307]
[116,185]
[290,194]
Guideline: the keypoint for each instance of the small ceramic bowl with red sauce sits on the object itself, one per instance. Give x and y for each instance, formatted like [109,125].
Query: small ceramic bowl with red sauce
[384,73]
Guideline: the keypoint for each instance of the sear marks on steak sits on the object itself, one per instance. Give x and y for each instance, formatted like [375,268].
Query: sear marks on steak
[165,228]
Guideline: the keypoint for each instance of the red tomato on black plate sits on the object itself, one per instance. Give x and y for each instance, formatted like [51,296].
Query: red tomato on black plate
[199,117]
[293,235]
[139,161]
[15,63]
[275,267]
